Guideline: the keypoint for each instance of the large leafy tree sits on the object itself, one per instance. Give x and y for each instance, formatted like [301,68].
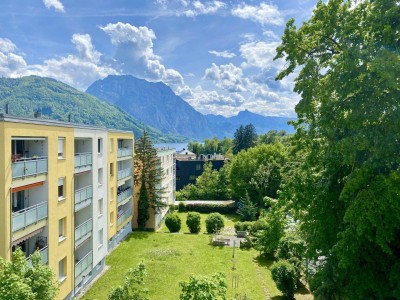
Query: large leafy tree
[199,287]
[19,281]
[245,137]
[345,189]
[148,175]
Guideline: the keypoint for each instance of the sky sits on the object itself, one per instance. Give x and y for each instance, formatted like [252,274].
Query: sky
[216,55]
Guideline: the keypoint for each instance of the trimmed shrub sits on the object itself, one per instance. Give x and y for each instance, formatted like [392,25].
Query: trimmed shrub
[243,226]
[211,207]
[173,222]
[260,224]
[286,277]
[181,206]
[214,222]
[193,222]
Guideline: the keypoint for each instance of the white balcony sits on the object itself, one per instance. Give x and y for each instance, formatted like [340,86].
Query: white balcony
[83,232]
[44,253]
[124,173]
[28,216]
[83,266]
[83,197]
[22,168]
[83,161]
[122,196]
[125,153]
[124,216]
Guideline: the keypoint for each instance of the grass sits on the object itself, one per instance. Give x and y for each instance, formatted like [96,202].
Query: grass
[171,258]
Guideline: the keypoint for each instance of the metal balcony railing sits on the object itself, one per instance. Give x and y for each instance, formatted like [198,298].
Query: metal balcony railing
[124,173]
[124,216]
[83,197]
[123,195]
[44,253]
[83,159]
[83,231]
[85,264]
[122,152]
[29,167]
[28,216]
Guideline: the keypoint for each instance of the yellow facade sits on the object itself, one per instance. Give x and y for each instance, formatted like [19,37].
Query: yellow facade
[56,209]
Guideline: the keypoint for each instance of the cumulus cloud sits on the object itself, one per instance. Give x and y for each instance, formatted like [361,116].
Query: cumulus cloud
[56,4]
[135,53]
[260,54]
[83,44]
[224,54]
[227,77]
[265,14]
[11,61]
[199,8]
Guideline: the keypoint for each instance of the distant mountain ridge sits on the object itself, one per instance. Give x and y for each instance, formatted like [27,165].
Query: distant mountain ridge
[57,100]
[155,104]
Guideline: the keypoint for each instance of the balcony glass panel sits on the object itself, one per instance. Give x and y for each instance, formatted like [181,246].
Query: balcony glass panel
[124,216]
[28,216]
[83,231]
[83,159]
[124,194]
[124,173]
[83,197]
[84,265]
[44,253]
[29,167]
[122,152]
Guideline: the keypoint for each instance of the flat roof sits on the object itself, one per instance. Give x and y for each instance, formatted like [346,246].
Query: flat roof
[50,122]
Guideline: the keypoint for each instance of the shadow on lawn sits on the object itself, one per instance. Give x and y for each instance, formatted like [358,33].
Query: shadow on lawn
[138,235]
[264,261]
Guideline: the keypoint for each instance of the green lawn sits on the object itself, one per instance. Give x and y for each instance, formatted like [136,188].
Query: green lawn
[171,258]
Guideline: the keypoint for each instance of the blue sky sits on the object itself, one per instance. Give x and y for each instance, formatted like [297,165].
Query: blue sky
[217,55]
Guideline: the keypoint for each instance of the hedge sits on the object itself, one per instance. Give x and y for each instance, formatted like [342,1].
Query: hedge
[210,208]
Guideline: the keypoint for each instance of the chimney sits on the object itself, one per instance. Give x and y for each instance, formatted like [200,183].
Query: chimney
[69,117]
[7,109]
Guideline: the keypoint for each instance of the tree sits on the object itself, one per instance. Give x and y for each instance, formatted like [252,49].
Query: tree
[273,136]
[20,282]
[345,190]
[148,175]
[244,138]
[132,286]
[286,277]
[247,209]
[193,222]
[204,287]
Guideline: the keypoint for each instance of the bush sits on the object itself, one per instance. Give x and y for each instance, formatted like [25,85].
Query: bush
[214,222]
[260,224]
[181,206]
[211,207]
[247,243]
[286,277]
[243,226]
[193,222]
[173,222]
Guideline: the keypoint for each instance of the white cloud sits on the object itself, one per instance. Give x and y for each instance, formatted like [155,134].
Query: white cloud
[264,13]
[200,8]
[56,4]
[135,53]
[260,54]
[224,54]
[270,34]
[11,62]
[83,44]
[227,77]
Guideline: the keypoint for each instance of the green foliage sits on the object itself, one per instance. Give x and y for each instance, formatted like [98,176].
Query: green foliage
[148,174]
[245,137]
[210,185]
[20,282]
[204,207]
[173,222]
[286,277]
[193,222]
[214,222]
[204,288]
[344,186]
[181,206]
[243,226]
[57,100]
[211,146]
[132,286]
[257,171]
[260,224]
[247,209]
[273,136]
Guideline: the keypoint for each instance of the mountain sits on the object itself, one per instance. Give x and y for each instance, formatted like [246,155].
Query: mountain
[153,103]
[57,100]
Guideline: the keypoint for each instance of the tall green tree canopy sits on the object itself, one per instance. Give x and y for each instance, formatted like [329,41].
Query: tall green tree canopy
[245,137]
[346,189]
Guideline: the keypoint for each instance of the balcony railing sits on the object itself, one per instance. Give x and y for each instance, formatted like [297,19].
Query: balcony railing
[83,197]
[123,195]
[83,231]
[85,264]
[124,173]
[29,167]
[83,159]
[122,152]
[28,216]
[124,216]
[44,253]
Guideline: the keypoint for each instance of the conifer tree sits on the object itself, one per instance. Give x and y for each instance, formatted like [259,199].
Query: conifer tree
[148,174]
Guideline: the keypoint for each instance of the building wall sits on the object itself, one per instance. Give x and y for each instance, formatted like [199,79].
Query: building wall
[57,209]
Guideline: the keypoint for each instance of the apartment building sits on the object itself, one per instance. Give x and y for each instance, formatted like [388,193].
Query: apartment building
[61,187]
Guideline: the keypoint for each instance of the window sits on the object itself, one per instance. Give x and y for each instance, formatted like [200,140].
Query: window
[167,172]
[167,158]
[100,207]
[100,176]
[111,145]
[62,274]
[112,169]
[198,167]
[111,194]
[100,238]
[61,142]
[61,192]
[100,146]
[61,230]
[192,177]
[111,219]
